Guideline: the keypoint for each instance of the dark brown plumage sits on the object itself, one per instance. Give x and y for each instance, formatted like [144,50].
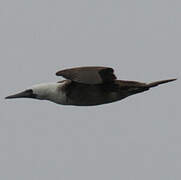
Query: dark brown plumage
[88,75]
[98,85]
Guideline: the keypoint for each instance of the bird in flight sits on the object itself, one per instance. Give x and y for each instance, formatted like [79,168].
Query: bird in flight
[86,86]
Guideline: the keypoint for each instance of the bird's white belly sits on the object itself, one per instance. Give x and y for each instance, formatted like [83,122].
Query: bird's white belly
[60,98]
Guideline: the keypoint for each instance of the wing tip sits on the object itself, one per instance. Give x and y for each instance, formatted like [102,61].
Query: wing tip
[59,73]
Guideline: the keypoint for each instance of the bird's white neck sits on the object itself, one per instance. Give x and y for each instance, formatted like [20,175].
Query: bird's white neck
[50,91]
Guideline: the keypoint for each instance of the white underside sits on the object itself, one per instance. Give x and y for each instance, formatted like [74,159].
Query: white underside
[50,91]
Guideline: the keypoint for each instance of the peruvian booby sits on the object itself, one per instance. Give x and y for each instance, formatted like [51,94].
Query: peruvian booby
[86,86]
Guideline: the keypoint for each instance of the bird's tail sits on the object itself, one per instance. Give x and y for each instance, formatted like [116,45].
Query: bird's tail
[134,87]
[156,83]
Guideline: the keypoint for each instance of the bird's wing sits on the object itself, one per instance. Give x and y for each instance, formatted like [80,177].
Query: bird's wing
[88,75]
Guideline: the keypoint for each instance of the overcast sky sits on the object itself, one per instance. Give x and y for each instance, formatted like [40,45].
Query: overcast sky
[138,138]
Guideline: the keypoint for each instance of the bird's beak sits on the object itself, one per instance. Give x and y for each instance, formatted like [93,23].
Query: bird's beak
[24,94]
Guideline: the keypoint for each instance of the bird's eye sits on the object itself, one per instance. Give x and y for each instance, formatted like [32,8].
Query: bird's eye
[30,93]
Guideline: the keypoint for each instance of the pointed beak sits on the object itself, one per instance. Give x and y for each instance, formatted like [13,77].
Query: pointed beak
[24,94]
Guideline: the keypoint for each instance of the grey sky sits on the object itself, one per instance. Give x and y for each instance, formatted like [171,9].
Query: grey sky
[134,139]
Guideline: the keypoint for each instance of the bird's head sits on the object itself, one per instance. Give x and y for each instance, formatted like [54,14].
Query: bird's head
[40,91]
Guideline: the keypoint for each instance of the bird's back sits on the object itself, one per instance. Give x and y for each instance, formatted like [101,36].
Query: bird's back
[87,95]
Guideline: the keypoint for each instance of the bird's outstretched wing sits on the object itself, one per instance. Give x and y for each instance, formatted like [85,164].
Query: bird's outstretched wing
[89,74]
